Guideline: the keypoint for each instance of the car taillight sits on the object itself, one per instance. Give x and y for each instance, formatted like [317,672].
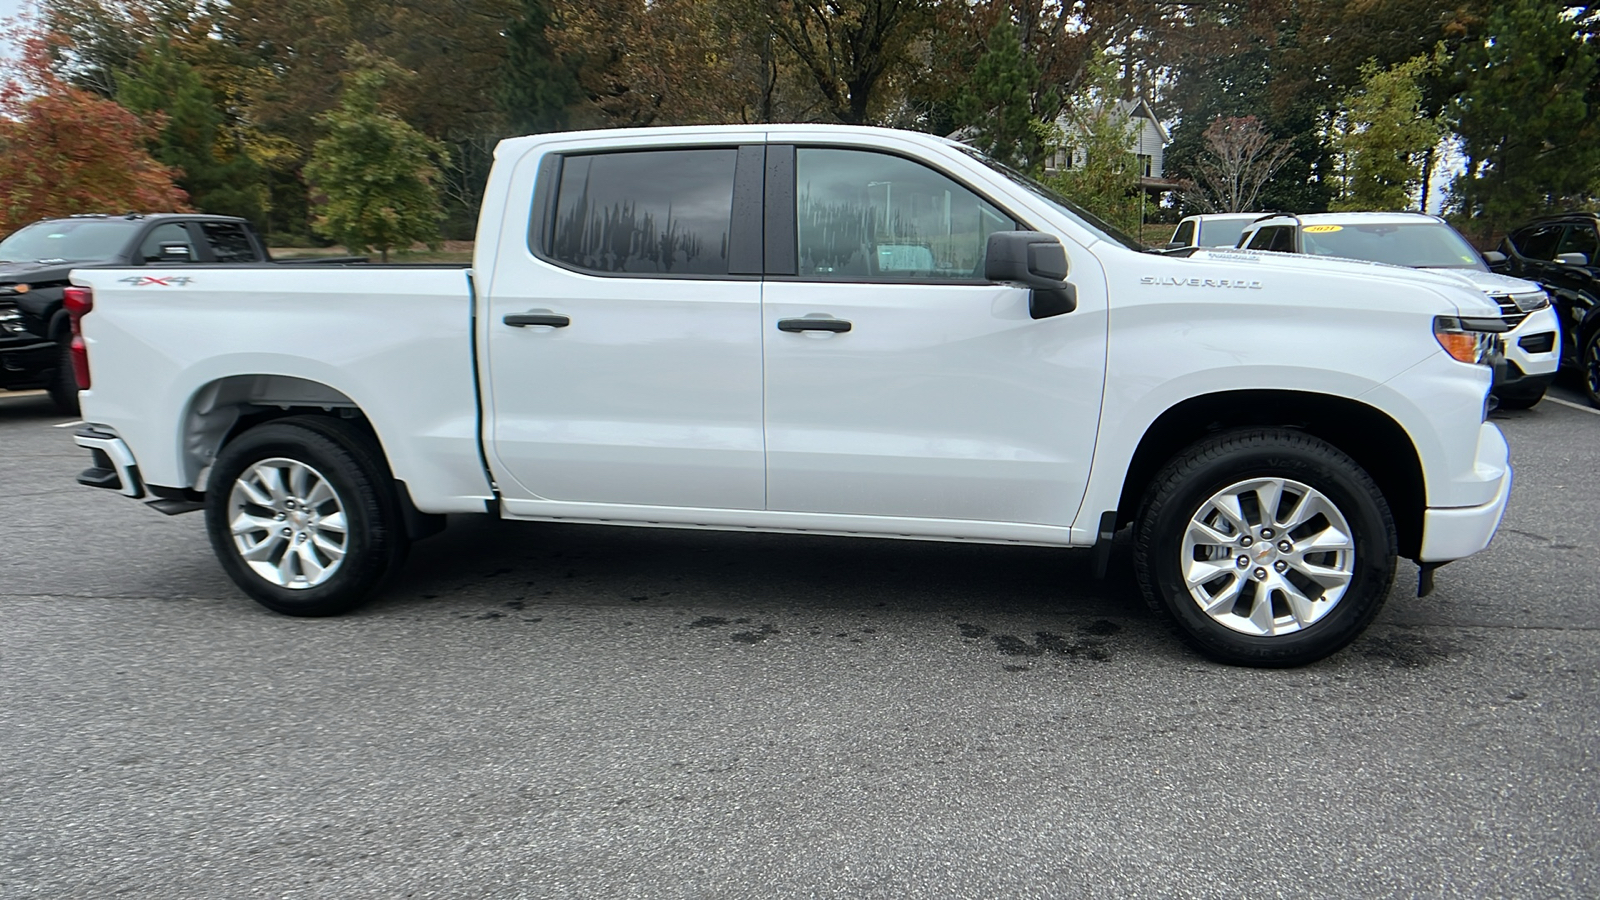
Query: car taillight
[79,301]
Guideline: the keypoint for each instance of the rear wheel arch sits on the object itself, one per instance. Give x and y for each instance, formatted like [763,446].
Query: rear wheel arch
[1376,442]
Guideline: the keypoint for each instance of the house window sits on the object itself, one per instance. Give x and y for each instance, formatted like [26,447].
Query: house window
[1146,165]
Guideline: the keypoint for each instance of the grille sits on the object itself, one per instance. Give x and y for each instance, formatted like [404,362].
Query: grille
[1508,310]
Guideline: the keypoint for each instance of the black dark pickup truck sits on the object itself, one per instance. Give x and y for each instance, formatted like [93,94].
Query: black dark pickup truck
[35,330]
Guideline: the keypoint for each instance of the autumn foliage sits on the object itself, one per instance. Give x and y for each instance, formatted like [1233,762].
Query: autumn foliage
[64,150]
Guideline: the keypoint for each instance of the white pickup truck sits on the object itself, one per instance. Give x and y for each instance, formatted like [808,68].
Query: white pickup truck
[821,330]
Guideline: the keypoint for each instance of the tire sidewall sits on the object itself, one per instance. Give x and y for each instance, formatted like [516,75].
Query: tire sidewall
[365,561]
[63,383]
[1336,477]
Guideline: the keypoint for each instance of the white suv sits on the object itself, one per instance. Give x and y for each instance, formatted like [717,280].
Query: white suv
[1532,347]
[1210,230]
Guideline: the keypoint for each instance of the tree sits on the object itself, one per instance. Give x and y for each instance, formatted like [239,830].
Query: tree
[997,106]
[64,150]
[1524,116]
[1101,134]
[536,88]
[1385,137]
[376,174]
[168,94]
[1239,160]
[851,48]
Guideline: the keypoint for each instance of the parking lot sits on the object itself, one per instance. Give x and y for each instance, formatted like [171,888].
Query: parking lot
[566,711]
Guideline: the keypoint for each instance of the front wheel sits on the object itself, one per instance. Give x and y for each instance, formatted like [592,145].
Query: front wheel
[1591,367]
[63,383]
[1527,400]
[304,517]
[1266,547]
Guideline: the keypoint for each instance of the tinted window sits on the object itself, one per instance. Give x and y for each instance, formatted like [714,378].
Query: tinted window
[871,215]
[1426,245]
[1262,239]
[1579,239]
[1222,234]
[1538,242]
[654,212]
[74,240]
[1184,235]
[169,235]
[229,242]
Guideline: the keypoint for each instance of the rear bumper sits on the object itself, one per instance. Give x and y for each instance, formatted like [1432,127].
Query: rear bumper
[1457,532]
[114,466]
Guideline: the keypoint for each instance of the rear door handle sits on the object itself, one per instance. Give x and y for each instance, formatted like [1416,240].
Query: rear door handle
[836,326]
[522,320]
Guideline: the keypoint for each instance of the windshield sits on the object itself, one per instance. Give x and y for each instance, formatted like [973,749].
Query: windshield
[68,240]
[1071,210]
[1420,245]
[1223,234]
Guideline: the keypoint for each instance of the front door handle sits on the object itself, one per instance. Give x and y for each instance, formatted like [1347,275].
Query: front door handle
[836,326]
[522,320]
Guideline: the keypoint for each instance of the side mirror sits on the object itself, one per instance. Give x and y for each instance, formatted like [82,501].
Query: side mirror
[1494,258]
[175,253]
[1036,260]
[1572,259]
[1174,245]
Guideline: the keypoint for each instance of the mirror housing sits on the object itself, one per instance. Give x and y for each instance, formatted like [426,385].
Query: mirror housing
[1174,245]
[1494,258]
[1028,259]
[1572,259]
[175,253]
[1035,260]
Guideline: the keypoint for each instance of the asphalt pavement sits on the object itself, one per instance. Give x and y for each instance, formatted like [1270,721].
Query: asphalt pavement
[591,712]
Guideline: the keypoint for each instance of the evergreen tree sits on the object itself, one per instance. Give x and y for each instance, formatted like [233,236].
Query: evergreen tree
[1523,117]
[997,104]
[536,88]
[376,175]
[164,90]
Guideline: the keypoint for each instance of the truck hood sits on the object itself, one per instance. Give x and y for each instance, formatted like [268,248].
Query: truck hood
[1469,298]
[36,272]
[1492,282]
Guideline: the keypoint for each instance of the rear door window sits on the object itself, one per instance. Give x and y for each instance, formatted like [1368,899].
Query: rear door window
[655,212]
[229,242]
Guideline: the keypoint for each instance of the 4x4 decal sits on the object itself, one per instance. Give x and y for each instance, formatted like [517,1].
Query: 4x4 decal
[152,281]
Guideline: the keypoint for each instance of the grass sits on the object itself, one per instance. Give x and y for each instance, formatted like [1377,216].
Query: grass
[448,252]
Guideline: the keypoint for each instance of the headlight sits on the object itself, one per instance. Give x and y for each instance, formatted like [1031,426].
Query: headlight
[11,322]
[1470,340]
[1531,302]
[13,289]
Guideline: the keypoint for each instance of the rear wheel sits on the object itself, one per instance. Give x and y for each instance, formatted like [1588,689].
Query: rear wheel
[1266,547]
[304,517]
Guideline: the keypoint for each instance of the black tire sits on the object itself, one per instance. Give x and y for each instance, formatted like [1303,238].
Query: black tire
[1589,367]
[1521,401]
[63,383]
[1189,482]
[375,542]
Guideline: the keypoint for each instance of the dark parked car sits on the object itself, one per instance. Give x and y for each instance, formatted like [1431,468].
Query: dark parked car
[1562,253]
[35,328]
